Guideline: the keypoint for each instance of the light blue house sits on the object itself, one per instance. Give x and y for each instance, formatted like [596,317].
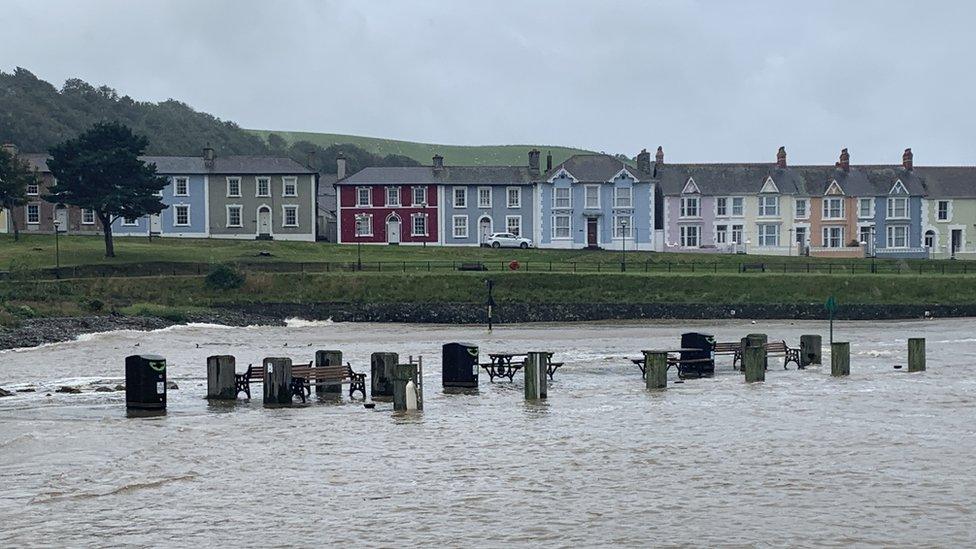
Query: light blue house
[481,200]
[891,220]
[598,201]
[186,214]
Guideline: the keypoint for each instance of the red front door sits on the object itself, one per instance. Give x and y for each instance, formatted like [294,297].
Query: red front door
[591,232]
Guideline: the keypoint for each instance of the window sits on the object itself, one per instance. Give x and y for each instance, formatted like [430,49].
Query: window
[181,215]
[864,208]
[393,196]
[233,187]
[623,225]
[484,197]
[929,239]
[592,197]
[460,226]
[690,236]
[364,225]
[234,216]
[460,197]
[561,198]
[419,227]
[181,186]
[800,236]
[737,206]
[87,217]
[864,233]
[289,186]
[623,197]
[943,210]
[897,236]
[130,222]
[768,234]
[736,233]
[33,214]
[419,195]
[513,224]
[768,206]
[833,237]
[290,216]
[514,197]
[560,226]
[33,189]
[689,206]
[801,208]
[363,196]
[721,206]
[263,187]
[721,234]
[897,208]
[833,208]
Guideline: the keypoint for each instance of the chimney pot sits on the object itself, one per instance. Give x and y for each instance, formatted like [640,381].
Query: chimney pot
[659,157]
[644,161]
[340,166]
[781,157]
[534,160]
[208,156]
[908,159]
[845,160]
[549,161]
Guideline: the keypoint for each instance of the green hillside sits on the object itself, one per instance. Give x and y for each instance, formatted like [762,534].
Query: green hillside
[422,152]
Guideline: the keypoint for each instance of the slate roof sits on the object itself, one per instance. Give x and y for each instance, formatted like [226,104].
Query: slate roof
[597,168]
[327,193]
[191,165]
[448,175]
[948,181]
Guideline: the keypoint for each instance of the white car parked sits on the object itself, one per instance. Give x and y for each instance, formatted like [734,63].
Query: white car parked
[508,240]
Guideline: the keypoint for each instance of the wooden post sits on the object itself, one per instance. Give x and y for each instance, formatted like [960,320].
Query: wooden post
[277,381]
[916,354]
[221,383]
[655,369]
[840,358]
[532,378]
[810,350]
[402,375]
[323,359]
[542,363]
[753,340]
[381,374]
[754,361]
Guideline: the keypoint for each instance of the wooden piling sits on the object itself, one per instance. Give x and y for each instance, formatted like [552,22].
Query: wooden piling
[221,383]
[277,381]
[810,350]
[381,374]
[542,363]
[916,354]
[754,361]
[323,359]
[840,358]
[533,376]
[403,374]
[655,369]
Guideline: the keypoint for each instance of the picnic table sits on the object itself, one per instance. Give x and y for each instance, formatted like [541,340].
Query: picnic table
[508,364]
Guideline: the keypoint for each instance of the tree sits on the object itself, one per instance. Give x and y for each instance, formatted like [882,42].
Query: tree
[15,175]
[100,170]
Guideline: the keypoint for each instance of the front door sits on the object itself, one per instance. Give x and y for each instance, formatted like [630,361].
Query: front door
[393,231]
[591,232]
[956,240]
[485,230]
[264,222]
[155,224]
[61,216]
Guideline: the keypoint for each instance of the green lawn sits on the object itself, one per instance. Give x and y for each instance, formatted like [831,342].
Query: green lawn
[461,155]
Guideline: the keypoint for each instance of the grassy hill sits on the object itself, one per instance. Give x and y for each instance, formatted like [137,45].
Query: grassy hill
[422,152]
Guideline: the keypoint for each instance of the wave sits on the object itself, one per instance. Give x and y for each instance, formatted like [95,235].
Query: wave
[304,323]
[131,487]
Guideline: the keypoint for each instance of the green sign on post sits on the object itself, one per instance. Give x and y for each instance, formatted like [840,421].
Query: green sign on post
[831,306]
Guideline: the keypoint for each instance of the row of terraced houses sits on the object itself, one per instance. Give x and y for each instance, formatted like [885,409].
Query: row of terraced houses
[588,201]
[600,201]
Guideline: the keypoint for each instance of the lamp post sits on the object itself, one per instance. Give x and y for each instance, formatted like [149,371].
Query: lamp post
[57,249]
[623,244]
[745,248]
[789,252]
[360,218]
[423,206]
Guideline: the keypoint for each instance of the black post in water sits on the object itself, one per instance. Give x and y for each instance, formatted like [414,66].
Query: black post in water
[491,300]
[145,382]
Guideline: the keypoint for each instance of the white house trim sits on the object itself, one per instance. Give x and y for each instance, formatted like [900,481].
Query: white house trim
[623,171]
[189,215]
[898,188]
[257,219]
[834,189]
[227,224]
[560,172]
[298,221]
[769,186]
[691,187]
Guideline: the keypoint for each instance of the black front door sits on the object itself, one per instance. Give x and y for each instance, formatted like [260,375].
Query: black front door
[591,232]
[956,240]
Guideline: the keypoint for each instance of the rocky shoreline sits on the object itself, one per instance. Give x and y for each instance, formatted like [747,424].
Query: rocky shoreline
[39,331]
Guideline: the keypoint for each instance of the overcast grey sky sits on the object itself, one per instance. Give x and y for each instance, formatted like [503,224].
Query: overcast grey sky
[709,80]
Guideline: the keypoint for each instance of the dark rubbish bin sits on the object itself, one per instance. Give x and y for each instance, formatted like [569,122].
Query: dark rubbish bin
[145,382]
[459,365]
[703,364]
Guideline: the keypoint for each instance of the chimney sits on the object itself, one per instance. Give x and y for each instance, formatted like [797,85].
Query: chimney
[310,159]
[781,157]
[549,161]
[845,160]
[907,159]
[340,166]
[644,161]
[438,162]
[10,148]
[208,156]
[534,160]
[659,157]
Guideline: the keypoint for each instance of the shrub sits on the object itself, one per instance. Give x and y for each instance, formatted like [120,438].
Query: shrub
[224,277]
[93,305]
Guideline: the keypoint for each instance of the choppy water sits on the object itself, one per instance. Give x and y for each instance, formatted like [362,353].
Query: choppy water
[883,457]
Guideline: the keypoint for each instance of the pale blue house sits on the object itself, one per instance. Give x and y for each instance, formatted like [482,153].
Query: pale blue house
[186,214]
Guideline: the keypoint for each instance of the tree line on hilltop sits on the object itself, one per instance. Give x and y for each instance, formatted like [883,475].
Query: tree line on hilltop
[36,116]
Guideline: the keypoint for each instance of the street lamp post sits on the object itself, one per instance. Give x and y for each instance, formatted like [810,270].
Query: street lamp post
[423,206]
[623,245]
[789,252]
[57,249]
[360,218]
[745,248]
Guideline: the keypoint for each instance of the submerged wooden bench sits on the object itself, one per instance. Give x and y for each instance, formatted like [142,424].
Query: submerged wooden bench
[675,361]
[253,374]
[780,348]
[304,376]
[733,348]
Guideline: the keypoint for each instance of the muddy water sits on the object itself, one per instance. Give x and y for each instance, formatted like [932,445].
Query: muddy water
[882,457]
